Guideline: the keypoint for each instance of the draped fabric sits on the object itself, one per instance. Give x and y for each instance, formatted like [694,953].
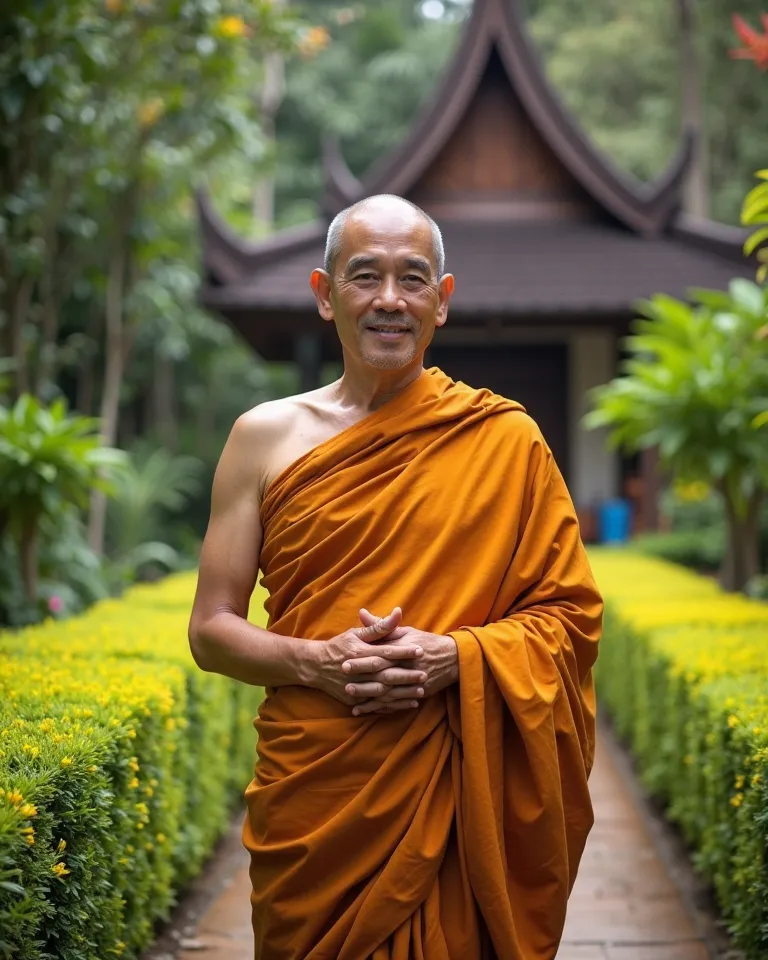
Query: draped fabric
[452,831]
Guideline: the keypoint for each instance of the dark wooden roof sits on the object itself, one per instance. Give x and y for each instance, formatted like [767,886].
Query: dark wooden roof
[535,219]
[521,268]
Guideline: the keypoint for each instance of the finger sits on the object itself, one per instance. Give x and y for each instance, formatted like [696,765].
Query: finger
[393,676]
[370,665]
[382,690]
[386,657]
[383,706]
[377,627]
[368,619]
[395,653]
[397,634]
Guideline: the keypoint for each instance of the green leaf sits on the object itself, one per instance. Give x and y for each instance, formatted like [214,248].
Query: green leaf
[748,296]
[754,241]
[755,204]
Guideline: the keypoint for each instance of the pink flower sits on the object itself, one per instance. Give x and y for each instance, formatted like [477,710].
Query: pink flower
[55,604]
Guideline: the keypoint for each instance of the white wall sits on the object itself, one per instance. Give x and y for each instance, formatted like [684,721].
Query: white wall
[594,470]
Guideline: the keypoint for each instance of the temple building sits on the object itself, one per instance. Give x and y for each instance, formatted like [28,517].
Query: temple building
[551,247]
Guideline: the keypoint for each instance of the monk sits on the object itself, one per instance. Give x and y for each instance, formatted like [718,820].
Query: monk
[420,791]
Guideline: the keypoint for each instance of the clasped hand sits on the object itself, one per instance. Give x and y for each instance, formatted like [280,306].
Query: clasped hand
[405,666]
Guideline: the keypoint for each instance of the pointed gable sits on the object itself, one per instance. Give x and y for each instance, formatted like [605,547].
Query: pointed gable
[496,164]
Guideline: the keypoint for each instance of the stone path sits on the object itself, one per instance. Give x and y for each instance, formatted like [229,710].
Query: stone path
[624,906]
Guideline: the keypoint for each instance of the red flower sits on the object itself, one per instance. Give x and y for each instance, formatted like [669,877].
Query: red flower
[755,44]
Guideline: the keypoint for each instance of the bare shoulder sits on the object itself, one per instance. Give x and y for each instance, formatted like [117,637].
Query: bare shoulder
[273,420]
[266,420]
[269,437]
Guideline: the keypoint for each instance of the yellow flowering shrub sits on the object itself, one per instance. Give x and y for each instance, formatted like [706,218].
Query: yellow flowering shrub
[683,673]
[120,762]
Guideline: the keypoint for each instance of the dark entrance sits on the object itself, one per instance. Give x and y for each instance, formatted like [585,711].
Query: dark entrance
[534,374]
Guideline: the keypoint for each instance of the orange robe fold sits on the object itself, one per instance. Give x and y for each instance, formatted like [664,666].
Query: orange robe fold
[453,831]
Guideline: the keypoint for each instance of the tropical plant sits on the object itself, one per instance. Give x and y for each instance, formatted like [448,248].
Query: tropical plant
[754,212]
[154,485]
[153,489]
[49,461]
[70,575]
[696,386]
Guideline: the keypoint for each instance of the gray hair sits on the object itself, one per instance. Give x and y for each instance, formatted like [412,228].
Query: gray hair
[336,229]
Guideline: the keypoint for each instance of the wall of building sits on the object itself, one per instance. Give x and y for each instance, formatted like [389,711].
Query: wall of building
[594,470]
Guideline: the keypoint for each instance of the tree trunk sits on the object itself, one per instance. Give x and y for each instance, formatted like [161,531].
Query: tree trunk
[269,98]
[742,536]
[165,409]
[28,558]
[21,305]
[113,379]
[84,388]
[696,194]
[206,421]
[51,290]
[46,362]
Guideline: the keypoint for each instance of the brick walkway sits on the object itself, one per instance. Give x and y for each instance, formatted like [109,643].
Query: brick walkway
[624,905]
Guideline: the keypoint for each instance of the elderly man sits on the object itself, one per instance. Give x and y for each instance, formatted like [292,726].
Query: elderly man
[428,729]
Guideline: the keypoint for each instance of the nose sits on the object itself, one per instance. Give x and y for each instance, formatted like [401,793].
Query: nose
[389,298]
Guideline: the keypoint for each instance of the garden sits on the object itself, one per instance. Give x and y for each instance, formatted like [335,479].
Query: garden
[121,762]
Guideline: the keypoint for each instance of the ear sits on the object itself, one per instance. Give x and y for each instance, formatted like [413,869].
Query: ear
[321,287]
[444,292]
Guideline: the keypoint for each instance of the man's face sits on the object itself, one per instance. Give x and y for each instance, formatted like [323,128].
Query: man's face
[384,295]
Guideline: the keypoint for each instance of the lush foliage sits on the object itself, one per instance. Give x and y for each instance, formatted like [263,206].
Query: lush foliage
[109,114]
[755,212]
[683,673]
[696,386]
[49,461]
[119,764]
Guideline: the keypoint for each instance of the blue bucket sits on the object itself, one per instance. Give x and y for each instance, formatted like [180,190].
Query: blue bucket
[615,521]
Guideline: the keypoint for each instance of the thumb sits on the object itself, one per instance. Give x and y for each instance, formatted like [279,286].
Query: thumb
[374,628]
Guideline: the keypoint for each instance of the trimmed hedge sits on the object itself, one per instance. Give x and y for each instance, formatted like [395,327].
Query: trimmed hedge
[120,764]
[683,672]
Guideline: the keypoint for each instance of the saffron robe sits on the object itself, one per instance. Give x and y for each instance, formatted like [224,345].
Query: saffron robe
[452,831]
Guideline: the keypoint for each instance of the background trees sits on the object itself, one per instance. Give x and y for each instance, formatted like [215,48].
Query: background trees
[696,387]
[112,111]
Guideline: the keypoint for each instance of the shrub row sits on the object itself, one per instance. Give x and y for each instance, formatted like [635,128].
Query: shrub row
[120,763]
[683,673]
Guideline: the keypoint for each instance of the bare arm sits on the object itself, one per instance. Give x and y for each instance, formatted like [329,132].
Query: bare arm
[221,639]
[220,636]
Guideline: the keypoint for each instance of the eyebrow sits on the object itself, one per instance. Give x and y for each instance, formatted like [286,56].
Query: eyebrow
[363,260]
[419,263]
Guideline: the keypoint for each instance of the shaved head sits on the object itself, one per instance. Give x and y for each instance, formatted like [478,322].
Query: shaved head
[389,205]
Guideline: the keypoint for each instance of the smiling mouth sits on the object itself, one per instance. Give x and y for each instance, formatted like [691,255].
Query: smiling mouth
[381,328]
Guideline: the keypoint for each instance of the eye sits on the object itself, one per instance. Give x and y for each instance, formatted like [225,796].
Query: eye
[365,276]
[413,278]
